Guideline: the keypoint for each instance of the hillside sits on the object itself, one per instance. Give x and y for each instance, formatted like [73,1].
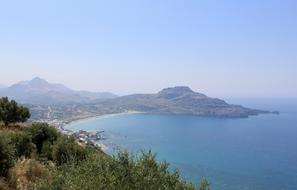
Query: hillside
[37,157]
[40,92]
[176,100]
[48,102]
[179,100]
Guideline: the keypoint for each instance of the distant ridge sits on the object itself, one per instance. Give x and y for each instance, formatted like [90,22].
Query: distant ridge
[56,101]
[179,100]
[39,91]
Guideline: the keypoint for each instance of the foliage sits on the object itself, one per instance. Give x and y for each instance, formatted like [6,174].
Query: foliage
[41,133]
[47,150]
[23,144]
[11,112]
[204,185]
[66,150]
[6,154]
[124,172]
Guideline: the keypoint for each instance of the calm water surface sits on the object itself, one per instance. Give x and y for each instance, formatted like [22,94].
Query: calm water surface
[253,153]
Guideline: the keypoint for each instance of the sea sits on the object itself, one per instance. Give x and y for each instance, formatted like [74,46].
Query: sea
[255,153]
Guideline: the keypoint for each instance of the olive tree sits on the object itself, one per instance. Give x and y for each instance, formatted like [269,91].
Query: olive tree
[11,112]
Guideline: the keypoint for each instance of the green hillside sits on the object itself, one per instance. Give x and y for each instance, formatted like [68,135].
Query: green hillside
[38,157]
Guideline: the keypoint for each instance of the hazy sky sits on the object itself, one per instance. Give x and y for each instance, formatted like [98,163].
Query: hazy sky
[221,48]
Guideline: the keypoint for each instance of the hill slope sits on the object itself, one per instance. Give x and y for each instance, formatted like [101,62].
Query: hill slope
[179,100]
[55,101]
[39,91]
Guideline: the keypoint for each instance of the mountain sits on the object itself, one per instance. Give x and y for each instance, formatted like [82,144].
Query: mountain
[39,91]
[178,100]
[56,101]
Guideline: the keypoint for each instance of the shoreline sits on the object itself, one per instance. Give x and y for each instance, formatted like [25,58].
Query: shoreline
[64,127]
[90,118]
[97,143]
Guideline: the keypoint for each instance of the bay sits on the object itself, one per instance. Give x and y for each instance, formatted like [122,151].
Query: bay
[256,153]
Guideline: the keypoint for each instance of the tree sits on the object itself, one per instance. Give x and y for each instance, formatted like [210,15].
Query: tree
[11,112]
[23,144]
[67,151]
[42,133]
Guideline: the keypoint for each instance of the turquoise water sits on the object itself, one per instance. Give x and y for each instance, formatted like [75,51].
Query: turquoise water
[253,153]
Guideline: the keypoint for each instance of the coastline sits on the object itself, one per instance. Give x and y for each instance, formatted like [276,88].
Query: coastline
[84,136]
[93,117]
[64,128]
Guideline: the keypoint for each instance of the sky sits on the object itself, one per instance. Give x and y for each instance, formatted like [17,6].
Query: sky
[223,48]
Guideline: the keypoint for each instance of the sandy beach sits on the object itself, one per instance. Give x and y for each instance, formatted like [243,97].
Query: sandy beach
[103,146]
[89,118]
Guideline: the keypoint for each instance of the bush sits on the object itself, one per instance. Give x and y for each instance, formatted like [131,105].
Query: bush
[144,172]
[23,144]
[125,172]
[41,133]
[6,154]
[47,150]
[67,150]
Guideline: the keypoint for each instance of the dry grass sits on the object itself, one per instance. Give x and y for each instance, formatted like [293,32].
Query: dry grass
[3,184]
[26,173]
[10,128]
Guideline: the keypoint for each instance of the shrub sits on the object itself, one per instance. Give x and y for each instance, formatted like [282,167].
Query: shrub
[125,172]
[41,133]
[47,150]
[6,154]
[67,150]
[23,144]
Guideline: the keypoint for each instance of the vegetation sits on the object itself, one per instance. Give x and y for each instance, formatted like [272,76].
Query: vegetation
[124,172]
[6,154]
[37,157]
[11,112]
[26,173]
[66,150]
[42,134]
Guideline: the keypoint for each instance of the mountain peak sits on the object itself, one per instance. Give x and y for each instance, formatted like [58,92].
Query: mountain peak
[174,92]
[177,89]
[38,80]
[35,82]
[39,91]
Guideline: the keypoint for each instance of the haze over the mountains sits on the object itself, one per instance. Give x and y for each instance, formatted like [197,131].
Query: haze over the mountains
[48,100]
[39,91]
